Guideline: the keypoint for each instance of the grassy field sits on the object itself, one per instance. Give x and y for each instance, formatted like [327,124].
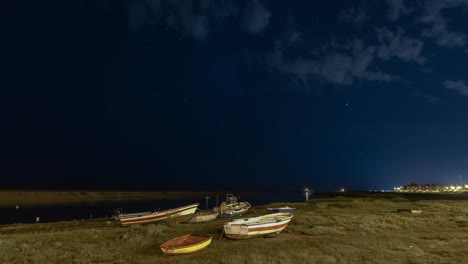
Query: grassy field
[355,229]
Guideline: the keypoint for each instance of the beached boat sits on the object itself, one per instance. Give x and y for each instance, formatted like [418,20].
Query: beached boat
[123,215]
[266,225]
[283,209]
[180,214]
[235,209]
[187,244]
[409,211]
[203,216]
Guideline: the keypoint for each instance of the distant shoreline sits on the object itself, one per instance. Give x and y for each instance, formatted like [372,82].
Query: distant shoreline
[46,197]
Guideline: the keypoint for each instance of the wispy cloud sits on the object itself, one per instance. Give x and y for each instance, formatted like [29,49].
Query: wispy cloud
[432,15]
[256,17]
[400,46]
[396,9]
[427,97]
[356,16]
[426,70]
[294,36]
[343,67]
[181,15]
[458,86]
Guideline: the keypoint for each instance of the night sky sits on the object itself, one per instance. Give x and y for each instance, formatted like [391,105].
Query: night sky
[180,94]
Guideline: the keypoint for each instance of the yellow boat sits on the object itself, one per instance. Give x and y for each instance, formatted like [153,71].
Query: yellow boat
[187,244]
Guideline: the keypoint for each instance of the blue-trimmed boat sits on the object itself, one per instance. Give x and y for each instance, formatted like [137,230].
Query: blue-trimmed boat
[284,209]
[236,209]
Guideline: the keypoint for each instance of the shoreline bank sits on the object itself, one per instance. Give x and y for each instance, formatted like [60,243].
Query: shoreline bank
[44,197]
[10,198]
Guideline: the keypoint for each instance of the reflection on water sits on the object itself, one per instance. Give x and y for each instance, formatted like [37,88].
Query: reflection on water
[52,213]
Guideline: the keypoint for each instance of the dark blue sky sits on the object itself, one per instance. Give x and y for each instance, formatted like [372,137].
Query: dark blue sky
[234,94]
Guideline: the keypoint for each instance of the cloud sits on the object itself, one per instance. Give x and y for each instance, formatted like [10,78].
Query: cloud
[333,66]
[256,17]
[293,36]
[400,46]
[444,37]
[432,15]
[192,24]
[427,70]
[459,86]
[397,8]
[224,9]
[192,18]
[354,16]
[136,15]
[429,98]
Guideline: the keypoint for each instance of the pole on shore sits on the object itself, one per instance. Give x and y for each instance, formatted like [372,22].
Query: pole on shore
[206,198]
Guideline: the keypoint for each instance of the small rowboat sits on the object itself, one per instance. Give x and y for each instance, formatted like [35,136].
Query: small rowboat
[283,209]
[187,244]
[180,214]
[235,209]
[409,211]
[266,225]
[200,217]
[123,216]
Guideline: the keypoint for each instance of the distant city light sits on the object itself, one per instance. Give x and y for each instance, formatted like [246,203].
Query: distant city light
[435,188]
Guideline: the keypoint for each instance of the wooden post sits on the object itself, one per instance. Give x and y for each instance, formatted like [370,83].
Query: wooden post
[307,194]
[222,234]
[206,198]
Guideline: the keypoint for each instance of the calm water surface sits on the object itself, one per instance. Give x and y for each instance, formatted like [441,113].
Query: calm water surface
[53,213]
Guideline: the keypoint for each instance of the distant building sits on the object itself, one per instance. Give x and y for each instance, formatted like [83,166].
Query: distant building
[413,187]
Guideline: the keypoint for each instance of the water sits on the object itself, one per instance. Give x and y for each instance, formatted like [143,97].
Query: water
[53,213]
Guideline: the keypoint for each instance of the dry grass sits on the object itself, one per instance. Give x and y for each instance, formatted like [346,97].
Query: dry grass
[338,230]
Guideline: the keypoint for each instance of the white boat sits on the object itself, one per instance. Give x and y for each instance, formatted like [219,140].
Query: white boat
[232,207]
[266,225]
[283,209]
[123,215]
[180,214]
[203,216]
[235,209]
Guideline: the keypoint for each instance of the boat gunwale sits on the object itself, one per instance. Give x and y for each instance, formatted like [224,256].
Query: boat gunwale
[160,214]
[257,220]
[166,245]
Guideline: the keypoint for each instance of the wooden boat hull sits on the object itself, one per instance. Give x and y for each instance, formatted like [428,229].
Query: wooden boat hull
[187,244]
[257,226]
[123,216]
[180,214]
[237,209]
[409,211]
[203,217]
[284,209]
